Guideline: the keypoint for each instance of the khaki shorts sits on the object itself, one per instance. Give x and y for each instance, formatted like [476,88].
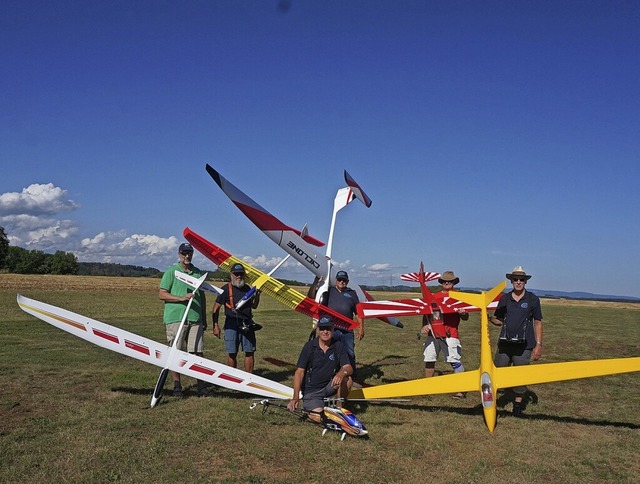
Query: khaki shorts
[449,347]
[192,339]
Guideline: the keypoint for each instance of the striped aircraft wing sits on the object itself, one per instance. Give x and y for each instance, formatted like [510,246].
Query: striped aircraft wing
[415,307]
[259,215]
[149,351]
[415,276]
[267,284]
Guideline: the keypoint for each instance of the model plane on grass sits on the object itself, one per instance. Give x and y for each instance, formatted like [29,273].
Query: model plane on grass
[267,284]
[332,418]
[430,304]
[298,243]
[149,351]
[488,379]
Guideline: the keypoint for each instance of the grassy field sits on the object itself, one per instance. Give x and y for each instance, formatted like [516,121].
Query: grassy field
[73,412]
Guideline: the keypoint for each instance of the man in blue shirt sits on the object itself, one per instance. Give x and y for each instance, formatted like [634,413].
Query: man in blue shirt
[520,316]
[323,370]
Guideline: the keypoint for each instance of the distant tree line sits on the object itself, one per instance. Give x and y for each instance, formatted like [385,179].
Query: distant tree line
[23,261]
[18,260]
[115,270]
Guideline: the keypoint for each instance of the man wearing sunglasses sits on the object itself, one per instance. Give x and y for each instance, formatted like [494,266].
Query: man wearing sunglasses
[520,317]
[323,370]
[175,294]
[448,344]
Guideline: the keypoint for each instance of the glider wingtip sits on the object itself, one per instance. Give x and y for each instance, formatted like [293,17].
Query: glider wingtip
[214,174]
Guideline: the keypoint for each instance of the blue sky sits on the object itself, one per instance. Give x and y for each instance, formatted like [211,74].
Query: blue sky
[488,134]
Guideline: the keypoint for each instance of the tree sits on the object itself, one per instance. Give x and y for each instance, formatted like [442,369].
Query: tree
[64,263]
[4,248]
[33,262]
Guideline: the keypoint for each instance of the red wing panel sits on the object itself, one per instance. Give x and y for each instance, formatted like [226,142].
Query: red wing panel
[254,211]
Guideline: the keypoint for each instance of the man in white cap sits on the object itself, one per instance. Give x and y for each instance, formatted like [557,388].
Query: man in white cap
[449,342]
[520,316]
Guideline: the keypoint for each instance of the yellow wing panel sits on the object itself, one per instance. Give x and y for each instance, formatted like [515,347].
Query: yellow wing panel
[570,370]
[458,382]
[267,284]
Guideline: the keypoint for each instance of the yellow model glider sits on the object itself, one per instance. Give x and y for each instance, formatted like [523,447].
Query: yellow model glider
[488,378]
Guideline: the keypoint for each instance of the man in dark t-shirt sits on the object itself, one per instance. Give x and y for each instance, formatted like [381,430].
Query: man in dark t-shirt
[323,370]
[520,341]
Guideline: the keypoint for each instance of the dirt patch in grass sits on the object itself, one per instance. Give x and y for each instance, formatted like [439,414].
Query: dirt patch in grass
[588,303]
[23,282]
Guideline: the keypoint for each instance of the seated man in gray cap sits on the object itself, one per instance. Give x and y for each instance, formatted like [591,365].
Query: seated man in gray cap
[239,327]
[323,370]
[520,316]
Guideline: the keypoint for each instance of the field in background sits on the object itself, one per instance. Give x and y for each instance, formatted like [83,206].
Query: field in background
[70,411]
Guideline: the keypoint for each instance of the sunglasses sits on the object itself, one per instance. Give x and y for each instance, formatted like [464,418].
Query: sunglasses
[518,279]
[447,282]
[325,328]
[187,253]
[342,280]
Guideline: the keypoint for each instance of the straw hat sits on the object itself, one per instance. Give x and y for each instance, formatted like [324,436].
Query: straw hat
[518,271]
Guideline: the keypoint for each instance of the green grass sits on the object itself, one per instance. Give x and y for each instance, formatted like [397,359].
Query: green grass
[73,412]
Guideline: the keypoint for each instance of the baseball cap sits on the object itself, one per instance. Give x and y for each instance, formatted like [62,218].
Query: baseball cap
[342,275]
[185,247]
[325,321]
[237,269]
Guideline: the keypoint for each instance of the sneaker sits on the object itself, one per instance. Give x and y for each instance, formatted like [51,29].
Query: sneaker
[177,390]
[459,395]
[518,409]
[203,391]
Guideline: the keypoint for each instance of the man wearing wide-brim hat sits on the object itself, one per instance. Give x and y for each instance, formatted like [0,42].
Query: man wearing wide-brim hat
[517,272]
[520,316]
[449,342]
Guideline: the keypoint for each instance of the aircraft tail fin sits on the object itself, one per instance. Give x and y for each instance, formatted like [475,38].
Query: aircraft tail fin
[357,191]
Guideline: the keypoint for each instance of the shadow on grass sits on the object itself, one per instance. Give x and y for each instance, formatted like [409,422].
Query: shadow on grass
[505,399]
[364,372]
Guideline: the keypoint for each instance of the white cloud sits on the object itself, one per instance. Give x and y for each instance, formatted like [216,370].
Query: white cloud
[137,249]
[36,199]
[380,267]
[29,218]
[266,263]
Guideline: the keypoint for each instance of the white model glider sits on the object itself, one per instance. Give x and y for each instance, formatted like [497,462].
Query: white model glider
[157,392]
[149,351]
